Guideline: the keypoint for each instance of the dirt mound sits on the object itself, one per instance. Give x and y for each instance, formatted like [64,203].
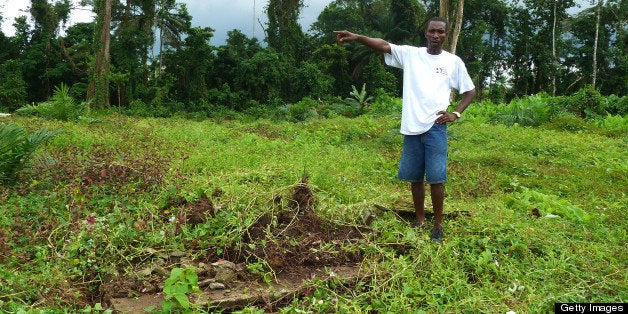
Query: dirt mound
[292,243]
[296,237]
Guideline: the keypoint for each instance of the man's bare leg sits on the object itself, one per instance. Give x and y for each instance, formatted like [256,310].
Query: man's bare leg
[437,192]
[418,198]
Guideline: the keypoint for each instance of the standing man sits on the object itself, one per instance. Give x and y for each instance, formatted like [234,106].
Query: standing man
[429,74]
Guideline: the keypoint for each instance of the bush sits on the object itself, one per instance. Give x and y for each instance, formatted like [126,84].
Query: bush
[359,100]
[13,88]
[617,105]
[567,122]
[139,108]
[303,110]
[61,107]
[613,125]
[16,147]
[528,111]
[483,112]
[586,103]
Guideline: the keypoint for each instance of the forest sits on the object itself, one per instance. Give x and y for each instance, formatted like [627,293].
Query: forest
[146,58]
[145,170]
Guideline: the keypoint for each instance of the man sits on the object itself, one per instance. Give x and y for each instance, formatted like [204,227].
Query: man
[429,74]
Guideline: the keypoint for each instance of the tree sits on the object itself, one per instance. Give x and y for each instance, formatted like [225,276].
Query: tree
[98,90]
[340,14]
[453,14]
[484,45]
[190,67]
[608,63]
[532,22]
[13,90]
[38,48]
[284,33]
[171,21]
[596,41]
[407,16]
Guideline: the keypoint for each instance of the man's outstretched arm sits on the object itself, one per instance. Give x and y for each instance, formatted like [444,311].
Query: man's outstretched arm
[376,44]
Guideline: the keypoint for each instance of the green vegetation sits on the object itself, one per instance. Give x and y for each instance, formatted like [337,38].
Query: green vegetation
[177,287]
[540,209]
[504,44]
[16,148]
[61,106]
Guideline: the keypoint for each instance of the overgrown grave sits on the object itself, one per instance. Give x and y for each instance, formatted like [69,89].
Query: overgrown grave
[280,255]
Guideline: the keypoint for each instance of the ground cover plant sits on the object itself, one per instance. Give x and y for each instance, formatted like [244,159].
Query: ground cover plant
[110,207]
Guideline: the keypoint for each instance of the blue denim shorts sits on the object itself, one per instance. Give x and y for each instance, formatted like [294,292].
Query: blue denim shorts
[425,156]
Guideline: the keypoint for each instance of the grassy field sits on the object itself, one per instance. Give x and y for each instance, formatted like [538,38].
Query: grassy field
[541,211]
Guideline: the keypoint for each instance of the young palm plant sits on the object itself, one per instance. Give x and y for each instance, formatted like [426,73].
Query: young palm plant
[16,147]
[359,101]
[61,106]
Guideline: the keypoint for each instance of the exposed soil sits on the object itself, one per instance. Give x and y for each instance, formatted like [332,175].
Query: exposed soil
[293,244]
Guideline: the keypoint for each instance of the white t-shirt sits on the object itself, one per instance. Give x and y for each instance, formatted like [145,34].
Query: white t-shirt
[427,83]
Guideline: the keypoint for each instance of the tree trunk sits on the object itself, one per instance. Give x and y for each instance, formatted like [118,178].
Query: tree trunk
[554,60]
[457,27]
[455,22]
[98,90]
[597,34]
[443,12]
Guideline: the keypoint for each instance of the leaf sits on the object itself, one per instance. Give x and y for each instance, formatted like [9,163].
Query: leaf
[167,306]
[183,300]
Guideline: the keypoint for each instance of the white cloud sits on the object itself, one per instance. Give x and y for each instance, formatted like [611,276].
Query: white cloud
[220,15]
[246,15]
[13,9]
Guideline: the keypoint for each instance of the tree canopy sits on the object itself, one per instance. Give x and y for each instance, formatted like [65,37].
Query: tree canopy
[148,52]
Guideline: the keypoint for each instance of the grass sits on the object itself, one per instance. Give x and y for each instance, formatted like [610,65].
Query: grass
[92,207]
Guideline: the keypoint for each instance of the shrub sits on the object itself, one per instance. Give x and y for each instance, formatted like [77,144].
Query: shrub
[359,100]
[613,125]
[529,111]
[303,110]
[484,111]
[61,106]
[16,147]
[586,102]
[385,104]
[139,108]
[334,107]
[13,88]
[567,122]
[617,105]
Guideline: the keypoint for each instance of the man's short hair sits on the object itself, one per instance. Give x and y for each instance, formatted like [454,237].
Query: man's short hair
[438,19]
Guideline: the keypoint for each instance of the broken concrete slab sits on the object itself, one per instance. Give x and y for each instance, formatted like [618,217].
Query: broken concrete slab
[242,294]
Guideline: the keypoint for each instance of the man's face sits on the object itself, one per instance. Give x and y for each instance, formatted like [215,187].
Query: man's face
[435,34]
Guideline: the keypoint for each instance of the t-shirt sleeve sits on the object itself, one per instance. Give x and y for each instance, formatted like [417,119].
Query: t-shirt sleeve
[463,80]
[395,57]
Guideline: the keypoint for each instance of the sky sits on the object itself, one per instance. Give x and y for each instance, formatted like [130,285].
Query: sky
[220,15]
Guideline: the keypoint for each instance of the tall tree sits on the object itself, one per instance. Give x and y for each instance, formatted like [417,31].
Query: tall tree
[595,44]
[172,21]
[484,45]
[41,50]
[98,90]
[532,22]
[611,57]
[407,16]
[284,32]
[454,14]
[190,67]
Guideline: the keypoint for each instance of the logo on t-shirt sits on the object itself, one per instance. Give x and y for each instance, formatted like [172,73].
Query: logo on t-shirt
[441,70]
